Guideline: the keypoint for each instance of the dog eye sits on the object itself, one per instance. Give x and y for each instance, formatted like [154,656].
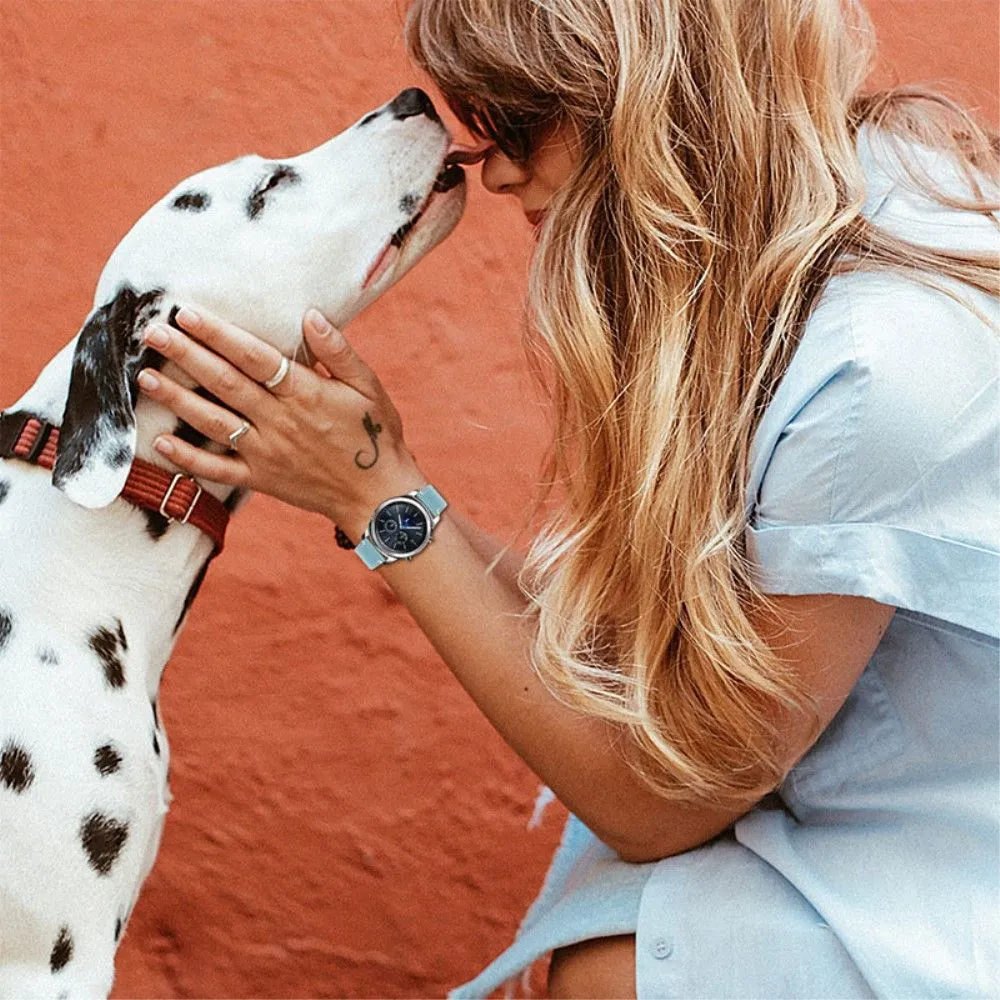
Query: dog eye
[282,174]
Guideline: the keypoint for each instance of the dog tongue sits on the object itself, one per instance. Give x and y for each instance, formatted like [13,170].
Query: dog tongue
[466,155]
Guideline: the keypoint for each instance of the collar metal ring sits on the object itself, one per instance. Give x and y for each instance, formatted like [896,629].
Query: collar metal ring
[237,434]
[279,376]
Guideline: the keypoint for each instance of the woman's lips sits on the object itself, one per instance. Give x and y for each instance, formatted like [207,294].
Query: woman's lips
[535,218]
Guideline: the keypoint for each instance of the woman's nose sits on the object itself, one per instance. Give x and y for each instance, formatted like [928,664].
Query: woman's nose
[501,175]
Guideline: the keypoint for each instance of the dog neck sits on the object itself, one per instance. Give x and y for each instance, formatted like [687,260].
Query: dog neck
[85,564]
[117,555]
[46,398]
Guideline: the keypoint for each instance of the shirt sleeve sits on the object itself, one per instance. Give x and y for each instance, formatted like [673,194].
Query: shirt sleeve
[876,467]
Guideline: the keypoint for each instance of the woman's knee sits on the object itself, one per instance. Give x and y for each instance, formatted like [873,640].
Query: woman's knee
[602,969]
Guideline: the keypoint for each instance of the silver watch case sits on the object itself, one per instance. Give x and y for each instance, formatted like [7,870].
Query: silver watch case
[388,554]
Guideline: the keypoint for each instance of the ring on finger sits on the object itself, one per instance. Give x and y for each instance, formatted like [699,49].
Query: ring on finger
[237,434]
[279,376]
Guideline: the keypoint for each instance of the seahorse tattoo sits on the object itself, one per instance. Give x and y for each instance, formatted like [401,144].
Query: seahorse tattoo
[373,430]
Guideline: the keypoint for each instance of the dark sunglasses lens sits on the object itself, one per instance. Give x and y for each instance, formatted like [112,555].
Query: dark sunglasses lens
[513,134]
[517,139]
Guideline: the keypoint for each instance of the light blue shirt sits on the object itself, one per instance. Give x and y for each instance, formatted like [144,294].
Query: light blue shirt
[873,869]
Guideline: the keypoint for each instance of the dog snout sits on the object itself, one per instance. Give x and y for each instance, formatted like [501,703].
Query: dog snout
[413,101]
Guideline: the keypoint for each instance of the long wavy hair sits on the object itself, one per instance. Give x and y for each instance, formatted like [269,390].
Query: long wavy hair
[718,189]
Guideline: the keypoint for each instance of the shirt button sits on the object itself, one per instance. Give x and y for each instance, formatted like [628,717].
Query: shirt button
[662,947]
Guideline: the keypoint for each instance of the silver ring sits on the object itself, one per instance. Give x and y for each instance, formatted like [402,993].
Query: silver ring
[237,434]
[279,376]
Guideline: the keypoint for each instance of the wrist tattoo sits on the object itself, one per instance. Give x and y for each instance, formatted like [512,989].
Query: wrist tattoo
[372,429]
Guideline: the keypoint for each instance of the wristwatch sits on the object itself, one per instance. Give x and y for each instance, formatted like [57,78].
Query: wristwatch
[401,527]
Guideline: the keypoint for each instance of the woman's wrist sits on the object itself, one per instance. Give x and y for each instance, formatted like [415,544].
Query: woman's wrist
[393,476]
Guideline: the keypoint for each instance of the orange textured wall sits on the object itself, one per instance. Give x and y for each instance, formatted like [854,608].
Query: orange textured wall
[345,822]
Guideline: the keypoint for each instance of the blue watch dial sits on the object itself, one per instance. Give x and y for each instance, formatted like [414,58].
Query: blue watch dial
[401,527]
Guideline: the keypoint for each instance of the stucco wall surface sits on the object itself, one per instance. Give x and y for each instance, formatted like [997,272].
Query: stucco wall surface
[345,822]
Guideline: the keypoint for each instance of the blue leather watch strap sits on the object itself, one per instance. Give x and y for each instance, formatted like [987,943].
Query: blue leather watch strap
[432,500]
[369,554]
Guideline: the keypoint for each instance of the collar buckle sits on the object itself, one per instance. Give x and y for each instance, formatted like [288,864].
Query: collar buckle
[170,489]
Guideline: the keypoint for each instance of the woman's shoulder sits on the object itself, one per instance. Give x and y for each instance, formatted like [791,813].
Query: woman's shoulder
[897,203]
[873,468]
[884,347]
[893,324]
[889,412]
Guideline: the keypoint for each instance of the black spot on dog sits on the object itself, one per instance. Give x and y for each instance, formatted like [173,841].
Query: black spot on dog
[62,950]
[107,759]
[156,524]
[409,203]
[16,771]
[4,489]
[152,359]
[156,714]
[118,928]
[6,627]
[368,119]
[103,838]
[186,432]
[48,656]
[121,456]
[192,201]
[156,744]
[121,635]
[233,500]
[192,592]
[108,646]
[282,174]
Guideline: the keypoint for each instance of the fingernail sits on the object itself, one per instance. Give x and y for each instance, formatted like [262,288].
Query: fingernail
[186,316]
[318,322]
[156,335]
[163,446]
[148,380]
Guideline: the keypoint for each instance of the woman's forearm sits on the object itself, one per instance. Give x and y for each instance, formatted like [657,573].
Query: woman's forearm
[487,547]
[478,625]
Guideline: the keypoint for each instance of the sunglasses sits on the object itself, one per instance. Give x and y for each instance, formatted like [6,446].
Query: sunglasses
[517,136]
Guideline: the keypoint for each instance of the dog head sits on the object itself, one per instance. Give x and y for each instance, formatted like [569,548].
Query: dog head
[257,241]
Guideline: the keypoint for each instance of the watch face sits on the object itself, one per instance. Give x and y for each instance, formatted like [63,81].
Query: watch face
[401,527]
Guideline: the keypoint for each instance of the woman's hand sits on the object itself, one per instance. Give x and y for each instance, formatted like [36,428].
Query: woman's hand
[326,443]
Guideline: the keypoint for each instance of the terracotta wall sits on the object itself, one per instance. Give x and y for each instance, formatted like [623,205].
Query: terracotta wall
[345,822]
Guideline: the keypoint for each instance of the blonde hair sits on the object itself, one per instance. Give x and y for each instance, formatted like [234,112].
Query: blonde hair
[719,187]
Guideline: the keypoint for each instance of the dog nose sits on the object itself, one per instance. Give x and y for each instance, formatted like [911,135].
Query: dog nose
[413,101]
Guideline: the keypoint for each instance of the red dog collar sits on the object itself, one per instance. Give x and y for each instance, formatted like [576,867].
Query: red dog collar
[176,496]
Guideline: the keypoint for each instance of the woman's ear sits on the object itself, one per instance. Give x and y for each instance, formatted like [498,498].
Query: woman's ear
[97,436]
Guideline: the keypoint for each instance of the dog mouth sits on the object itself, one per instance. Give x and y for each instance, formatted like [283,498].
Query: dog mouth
[448,177]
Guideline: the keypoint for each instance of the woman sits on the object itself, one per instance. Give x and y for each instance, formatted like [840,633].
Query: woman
[754,650]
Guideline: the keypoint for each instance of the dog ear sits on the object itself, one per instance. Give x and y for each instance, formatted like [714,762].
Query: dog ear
[97,436]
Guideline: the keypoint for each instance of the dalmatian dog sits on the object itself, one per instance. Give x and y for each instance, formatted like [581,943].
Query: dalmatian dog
[94,590]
